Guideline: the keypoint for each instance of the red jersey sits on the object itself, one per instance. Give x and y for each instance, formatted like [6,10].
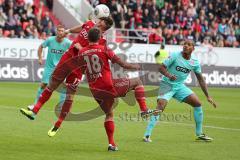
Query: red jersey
[82,37]
[99,76]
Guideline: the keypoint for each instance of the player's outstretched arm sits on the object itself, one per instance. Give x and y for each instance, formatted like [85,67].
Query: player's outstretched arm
[204,88]
[40,49]
[164,71]
[124,64]
[75,29]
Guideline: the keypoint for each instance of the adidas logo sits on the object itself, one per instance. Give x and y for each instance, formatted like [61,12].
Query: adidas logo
[13,72]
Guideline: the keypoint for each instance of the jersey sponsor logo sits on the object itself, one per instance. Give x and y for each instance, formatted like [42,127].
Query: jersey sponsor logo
[84,33]
[8,71]
[57,51]
[182,69]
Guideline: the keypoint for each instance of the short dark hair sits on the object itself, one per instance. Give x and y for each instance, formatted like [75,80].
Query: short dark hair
[188,41]
[93,35]
[60,26]
[108,21]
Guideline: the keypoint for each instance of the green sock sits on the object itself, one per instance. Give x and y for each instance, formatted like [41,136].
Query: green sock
[151,124]
[198,117]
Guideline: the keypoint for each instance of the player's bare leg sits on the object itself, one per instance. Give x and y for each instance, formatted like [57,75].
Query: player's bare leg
[136,85]
[194,101]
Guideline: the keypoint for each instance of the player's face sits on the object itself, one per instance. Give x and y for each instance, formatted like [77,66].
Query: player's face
[101,25]
[188,47]
[60,32]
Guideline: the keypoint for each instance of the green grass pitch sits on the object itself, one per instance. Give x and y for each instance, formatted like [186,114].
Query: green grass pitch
[173,138]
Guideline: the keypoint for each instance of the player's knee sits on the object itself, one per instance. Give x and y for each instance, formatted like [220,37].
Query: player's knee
[161,104]
[138,81]
[109,116]
[69,97]
[197,104]
[43,85]
[54,83]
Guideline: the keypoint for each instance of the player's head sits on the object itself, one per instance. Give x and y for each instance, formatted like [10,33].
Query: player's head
[104,23]
[94,35]
[60,31]
[188,47]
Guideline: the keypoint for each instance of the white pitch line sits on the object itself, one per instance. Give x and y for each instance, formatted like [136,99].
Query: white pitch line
[178,123]
[223,117]
[16,108]
[206,126]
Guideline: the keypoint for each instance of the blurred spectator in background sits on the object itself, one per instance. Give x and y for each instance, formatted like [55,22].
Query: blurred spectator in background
[173,20]
[49,30]
[207,43]
[12,34]
[45,20]
[180,19]
[21,34]
[30,29]
[24,19]
[49,4]
[11,20]
[156,37]
[1,32]
[231,40]
[3,18]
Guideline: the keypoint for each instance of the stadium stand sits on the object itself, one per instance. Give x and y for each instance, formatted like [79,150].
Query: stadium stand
[207,22]
[26,19]
[215,21]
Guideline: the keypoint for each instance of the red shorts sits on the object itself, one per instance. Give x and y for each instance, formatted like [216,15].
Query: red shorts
[105,99]
[67,68]
[121,86]
[120,89]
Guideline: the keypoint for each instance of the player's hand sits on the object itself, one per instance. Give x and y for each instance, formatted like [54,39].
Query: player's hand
[172,77]
[40,61]
[137,67]
[78,46]
[210,100]
[66,32]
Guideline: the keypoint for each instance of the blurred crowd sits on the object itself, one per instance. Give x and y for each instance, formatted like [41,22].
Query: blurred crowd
[25,19]
[209,22]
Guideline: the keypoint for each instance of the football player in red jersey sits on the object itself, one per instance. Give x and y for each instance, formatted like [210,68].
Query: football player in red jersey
[65,71]
[104,88]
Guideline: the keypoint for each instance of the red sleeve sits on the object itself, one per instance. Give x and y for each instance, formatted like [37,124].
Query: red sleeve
[89,24]
[102,41]
[111,55]
[84,25]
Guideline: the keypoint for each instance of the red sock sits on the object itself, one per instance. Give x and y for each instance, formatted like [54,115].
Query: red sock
[109,127]
[65,110]
[140,97]
[46,94]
